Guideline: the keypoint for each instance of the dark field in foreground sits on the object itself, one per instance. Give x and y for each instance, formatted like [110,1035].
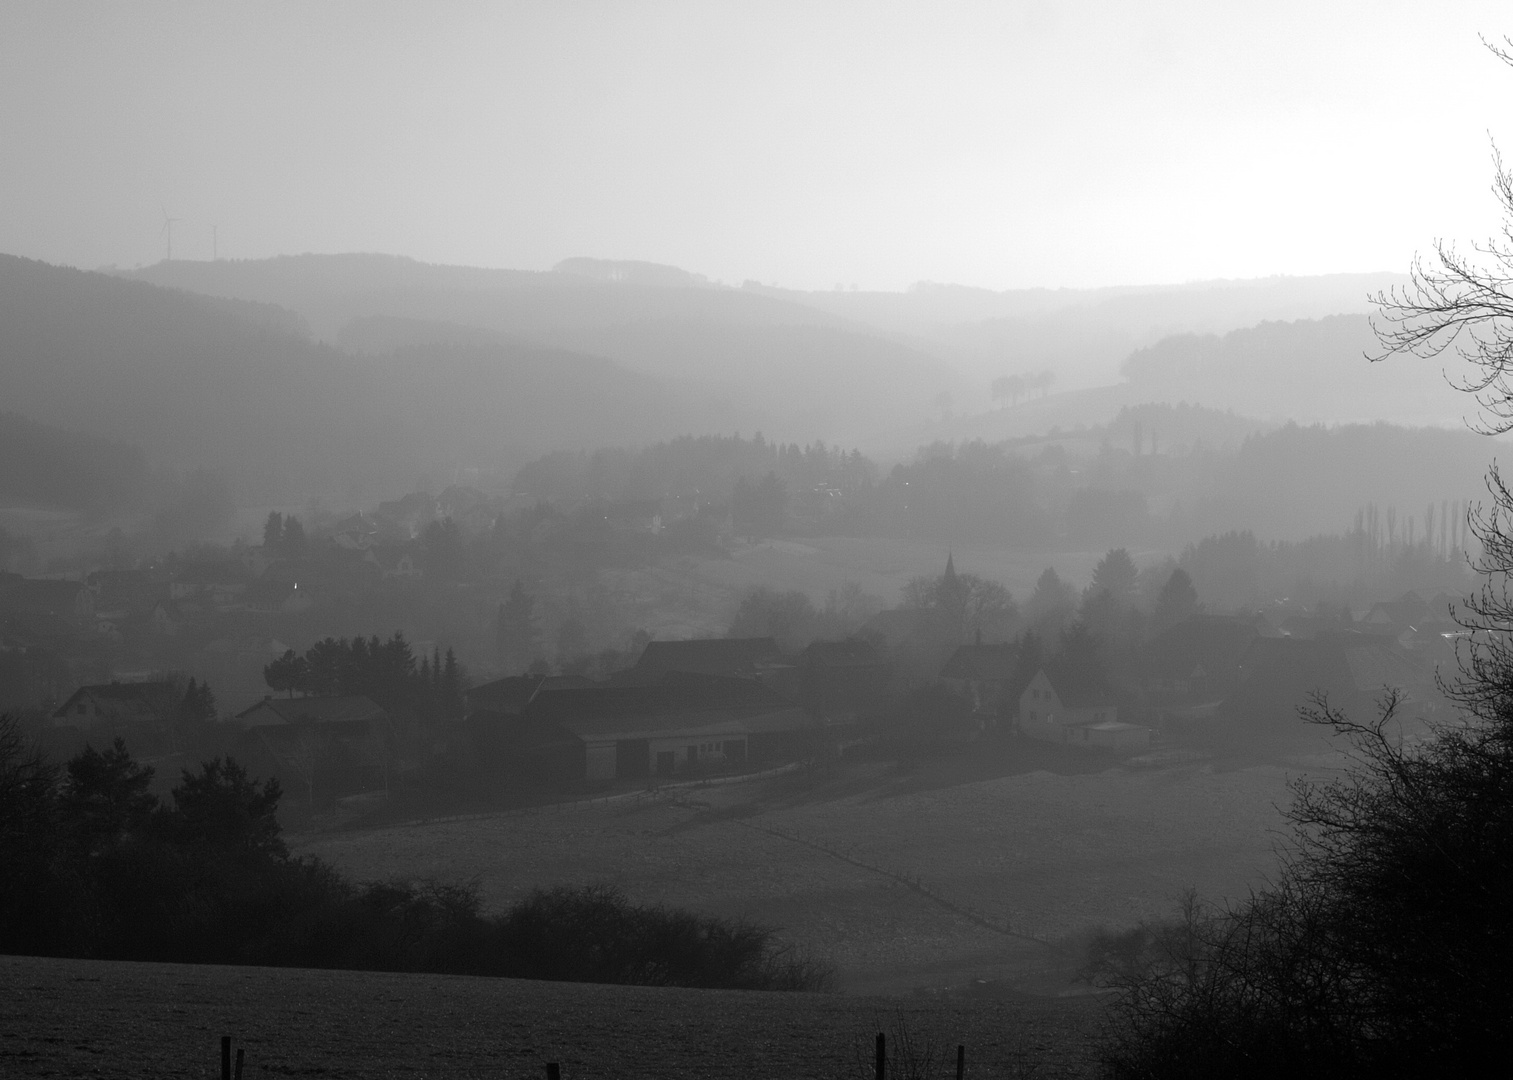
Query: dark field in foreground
[70,1018]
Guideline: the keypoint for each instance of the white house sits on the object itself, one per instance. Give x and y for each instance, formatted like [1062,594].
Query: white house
[1061,705]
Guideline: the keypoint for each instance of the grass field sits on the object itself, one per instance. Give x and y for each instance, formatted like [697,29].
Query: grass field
[72,1018]
[1042,845]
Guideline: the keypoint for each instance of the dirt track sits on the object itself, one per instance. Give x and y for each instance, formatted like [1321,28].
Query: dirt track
[68,1018]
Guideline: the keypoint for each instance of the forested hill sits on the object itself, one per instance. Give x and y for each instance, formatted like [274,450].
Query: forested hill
[1309,370]
[747,359]
[239,387]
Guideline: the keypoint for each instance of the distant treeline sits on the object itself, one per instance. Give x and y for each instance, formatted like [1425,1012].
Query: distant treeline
[1309,370]
[94,865]
[1158,475]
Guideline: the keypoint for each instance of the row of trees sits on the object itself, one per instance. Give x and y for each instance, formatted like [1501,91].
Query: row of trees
[385,671]
[92,864]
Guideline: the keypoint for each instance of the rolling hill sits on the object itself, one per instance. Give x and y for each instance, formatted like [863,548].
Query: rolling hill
[239,387]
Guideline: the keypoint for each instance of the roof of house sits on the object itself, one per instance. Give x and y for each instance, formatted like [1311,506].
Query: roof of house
[682,700]
[1405,609]
[139,701]
[710,656]
[509,693]
[853,652]
[1077,687]
[982,663]
[313,710]
[211,573]
[1214,642]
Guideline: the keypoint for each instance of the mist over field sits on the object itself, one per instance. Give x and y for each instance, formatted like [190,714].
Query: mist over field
[700,501]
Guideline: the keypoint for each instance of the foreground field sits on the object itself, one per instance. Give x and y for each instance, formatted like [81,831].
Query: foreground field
[938,876]
[68,1018]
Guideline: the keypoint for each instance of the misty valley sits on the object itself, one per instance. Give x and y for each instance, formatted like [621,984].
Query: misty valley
[950,647]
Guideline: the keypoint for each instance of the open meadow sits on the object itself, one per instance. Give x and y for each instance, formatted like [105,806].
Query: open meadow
[955,870]
[71,1018]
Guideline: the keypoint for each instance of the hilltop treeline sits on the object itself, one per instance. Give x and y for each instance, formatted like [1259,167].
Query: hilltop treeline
[92,864]
[1157,475]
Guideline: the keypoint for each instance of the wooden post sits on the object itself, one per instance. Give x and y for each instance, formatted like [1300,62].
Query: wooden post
[961,1061]
[882,1055]
[236,1073]
[225,1057]
[553,1071]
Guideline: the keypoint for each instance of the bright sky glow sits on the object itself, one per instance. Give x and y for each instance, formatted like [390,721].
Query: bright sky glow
[808,144]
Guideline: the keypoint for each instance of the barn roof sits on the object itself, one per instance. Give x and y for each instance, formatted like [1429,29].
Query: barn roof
[681,701]
[853,652]
[127,701]
[709,656]
[272,711]
[995,662]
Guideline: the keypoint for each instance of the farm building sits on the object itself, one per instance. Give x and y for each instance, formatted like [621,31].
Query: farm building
[118,703]
[1070,707]
[344,739]
[747,658]
[682,723]
[509,696]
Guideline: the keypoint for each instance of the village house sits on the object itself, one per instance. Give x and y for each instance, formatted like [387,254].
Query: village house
[356,533]
[1070,707]
[1196,660]
[983,675]
[118,703]
[348,739]
[394,563]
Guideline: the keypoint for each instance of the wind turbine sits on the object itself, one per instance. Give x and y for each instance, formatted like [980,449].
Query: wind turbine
[167,231]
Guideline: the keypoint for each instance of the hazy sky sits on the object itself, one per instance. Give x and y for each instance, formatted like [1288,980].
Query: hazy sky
[998,144]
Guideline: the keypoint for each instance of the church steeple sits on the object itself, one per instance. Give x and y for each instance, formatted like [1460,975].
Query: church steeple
[950,574]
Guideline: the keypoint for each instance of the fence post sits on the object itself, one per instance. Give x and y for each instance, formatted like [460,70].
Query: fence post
[882,1055]
[225,1057]
[961,1061]
[236,1073]
[553,1071]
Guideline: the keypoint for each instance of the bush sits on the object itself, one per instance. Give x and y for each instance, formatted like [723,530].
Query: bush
[1384,947]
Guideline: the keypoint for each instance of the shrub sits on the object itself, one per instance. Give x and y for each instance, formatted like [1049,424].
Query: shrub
[1382,950]
[94,866]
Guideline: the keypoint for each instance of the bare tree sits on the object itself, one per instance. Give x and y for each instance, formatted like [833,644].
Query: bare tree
[1461,303]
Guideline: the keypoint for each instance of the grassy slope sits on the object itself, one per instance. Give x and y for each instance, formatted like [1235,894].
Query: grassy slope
[82,1017]
[1048,853]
